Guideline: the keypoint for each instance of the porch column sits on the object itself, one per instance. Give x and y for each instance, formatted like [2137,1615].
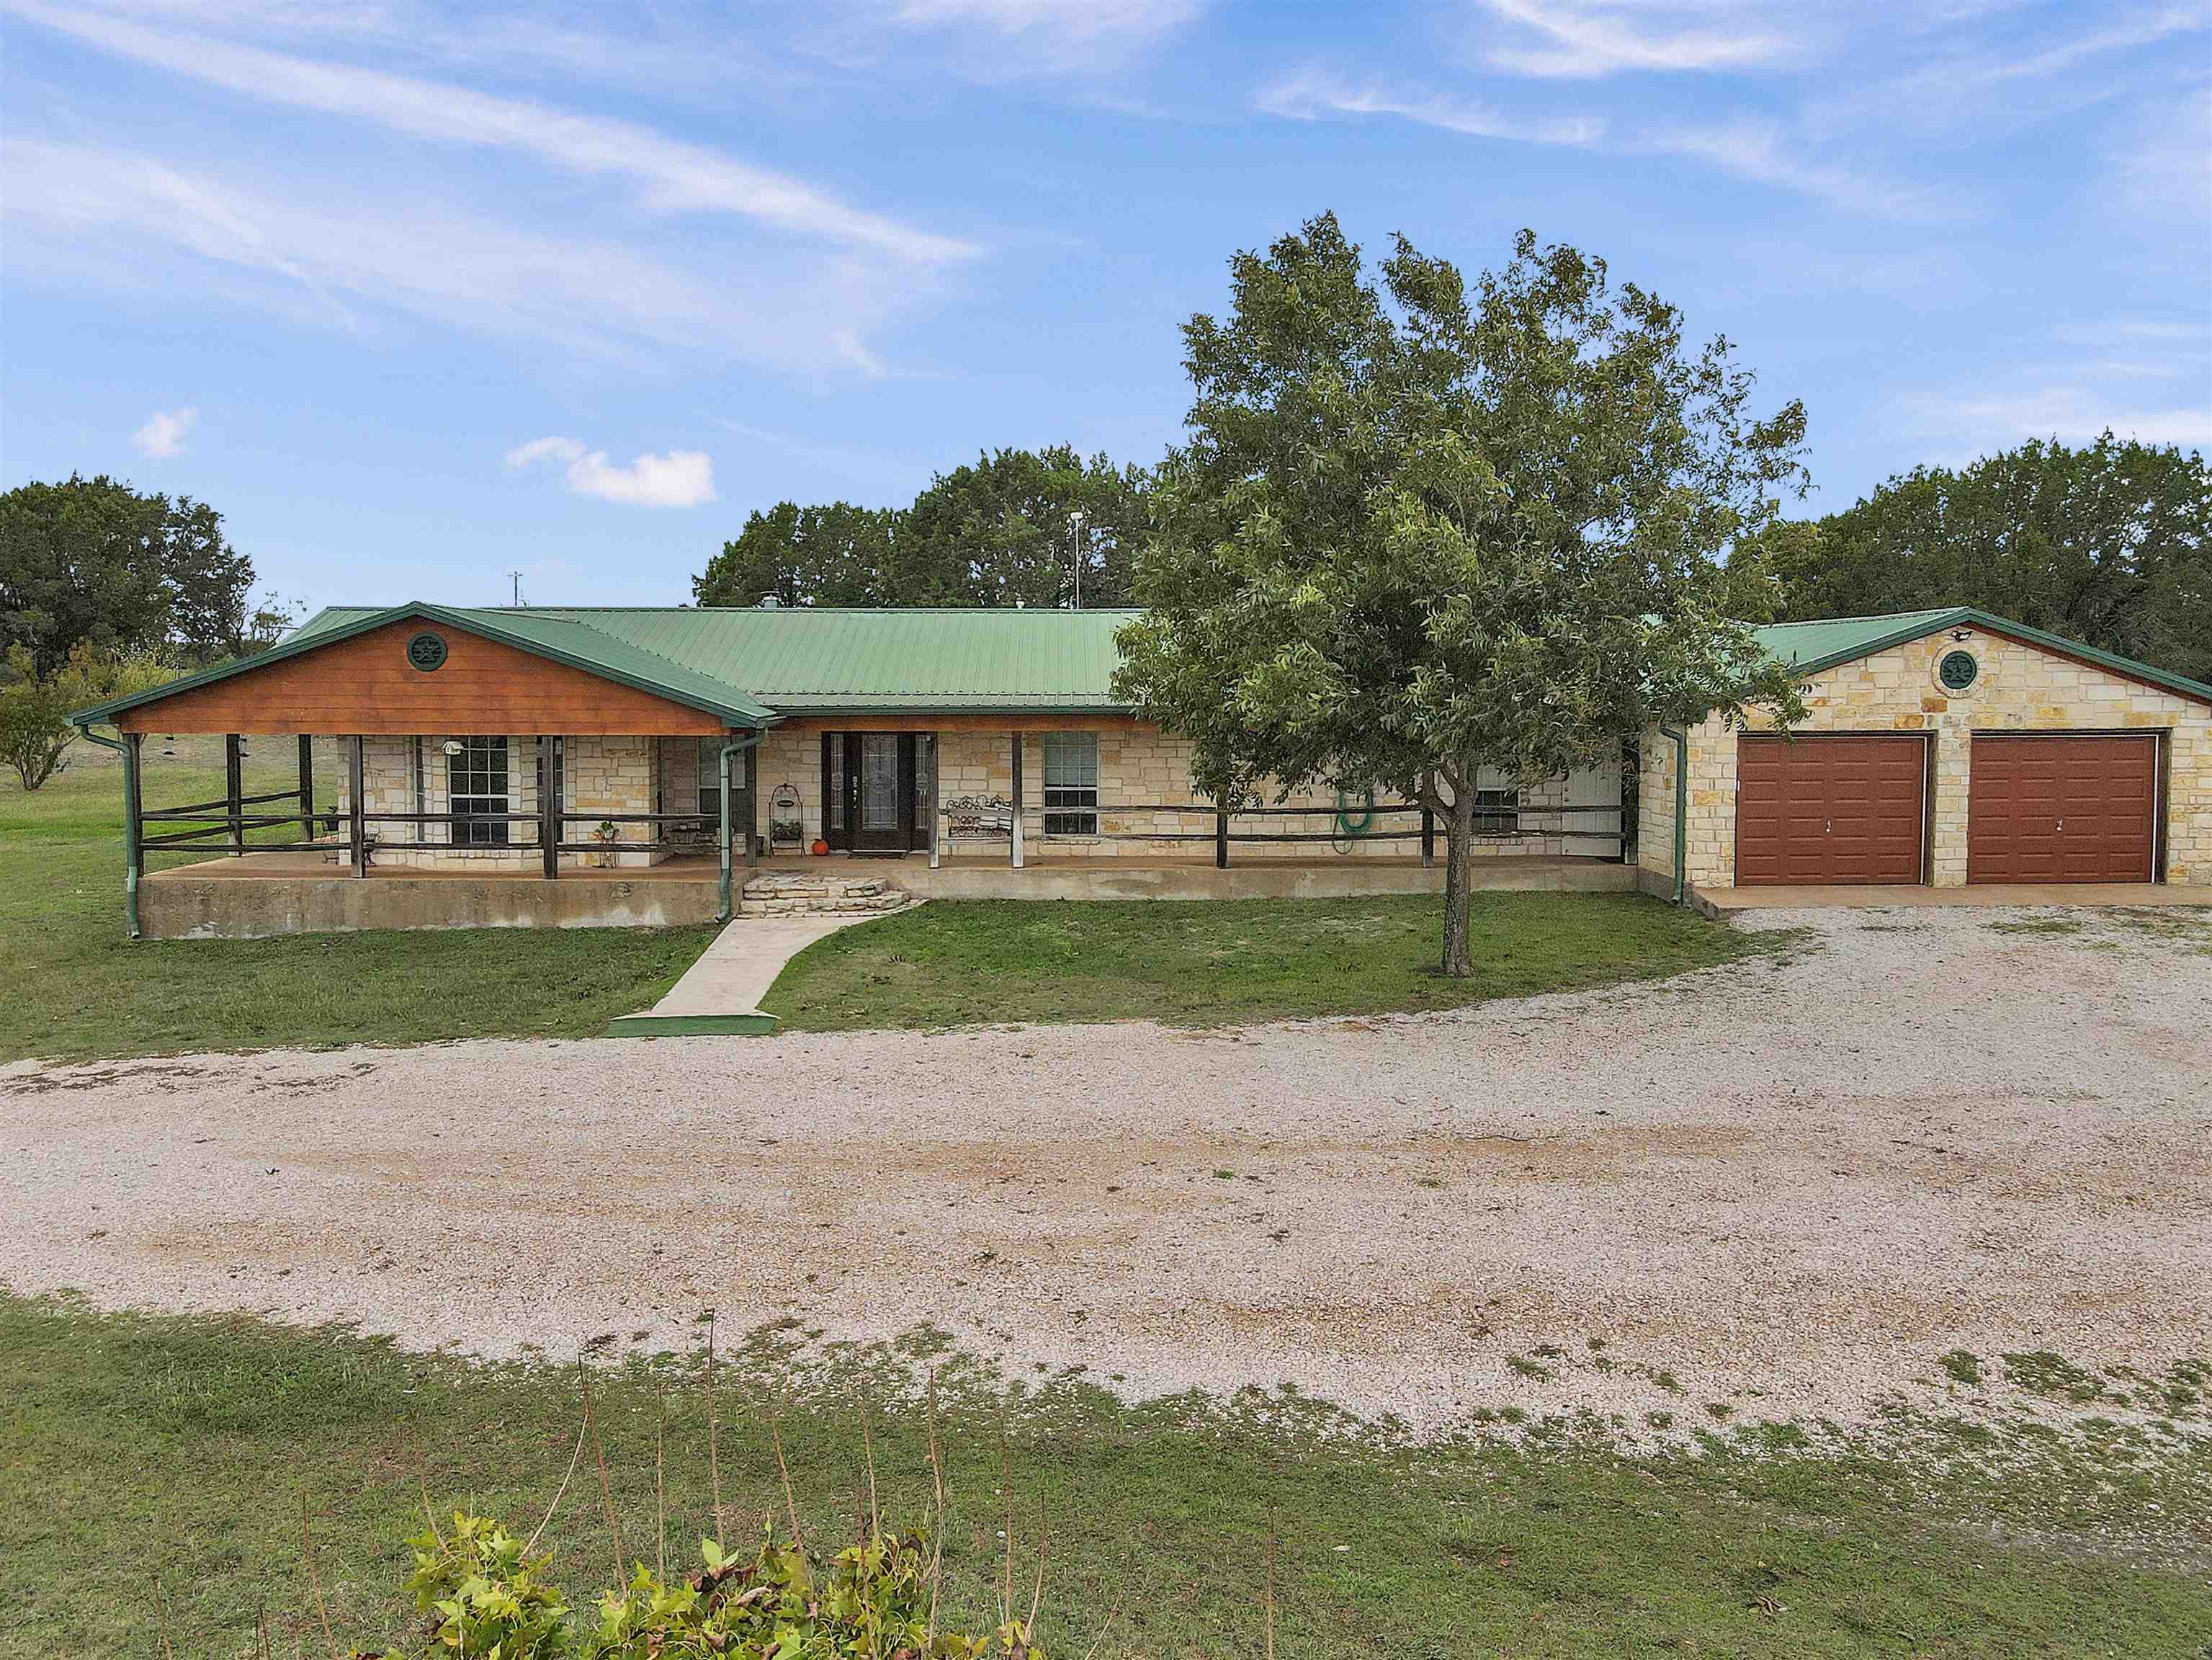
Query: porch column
[134,824]
[234,784]
[549,809]
[1017,845]
[307,788]
[357,828]
[930,801]
[752,807]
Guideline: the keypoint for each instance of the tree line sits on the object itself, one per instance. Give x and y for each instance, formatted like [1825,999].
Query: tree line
[2109,543]
[106,590]
[1019,527]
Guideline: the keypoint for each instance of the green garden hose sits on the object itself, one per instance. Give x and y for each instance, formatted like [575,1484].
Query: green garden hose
[1350,826]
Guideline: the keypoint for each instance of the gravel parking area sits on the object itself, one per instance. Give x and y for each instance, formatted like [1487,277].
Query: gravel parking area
[1788,1186]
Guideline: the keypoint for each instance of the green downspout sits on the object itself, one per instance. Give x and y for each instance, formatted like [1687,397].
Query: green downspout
[739,747]
[134,857]
[1681,736]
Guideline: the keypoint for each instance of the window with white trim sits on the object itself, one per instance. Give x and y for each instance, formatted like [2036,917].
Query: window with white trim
[1071,783]
[475,786]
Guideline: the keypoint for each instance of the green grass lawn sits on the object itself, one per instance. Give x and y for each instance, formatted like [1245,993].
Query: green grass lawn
[1207,962]
[85,991]
[79,989]
[141,1448]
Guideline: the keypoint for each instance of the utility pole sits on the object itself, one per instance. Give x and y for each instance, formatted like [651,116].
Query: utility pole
[1080,546]
[514,578]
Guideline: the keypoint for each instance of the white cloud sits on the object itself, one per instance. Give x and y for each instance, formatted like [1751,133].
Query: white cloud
[2165,163]
[2144,30]
[1584,39]
[1765,153]
[2076,414]
[671,175]
[77,213]
[1308,96]
[681,478]
[162,437]
[1758,150]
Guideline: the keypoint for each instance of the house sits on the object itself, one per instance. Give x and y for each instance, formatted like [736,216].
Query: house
[582,766]
[568,762]
[1939,748]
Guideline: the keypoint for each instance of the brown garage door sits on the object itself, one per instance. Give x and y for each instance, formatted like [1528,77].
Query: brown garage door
[2064,806]
[1828,807]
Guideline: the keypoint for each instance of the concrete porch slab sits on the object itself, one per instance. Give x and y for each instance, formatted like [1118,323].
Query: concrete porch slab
[1717,901]
[720,994]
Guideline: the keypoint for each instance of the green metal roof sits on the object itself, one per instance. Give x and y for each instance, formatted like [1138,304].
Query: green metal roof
[752,667]
[801,660]
[1839,639]
[1812,647]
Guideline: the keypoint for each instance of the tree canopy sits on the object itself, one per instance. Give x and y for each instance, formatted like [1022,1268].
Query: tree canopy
[2110,543]
[93,561]
[1422,531]
[1008,530]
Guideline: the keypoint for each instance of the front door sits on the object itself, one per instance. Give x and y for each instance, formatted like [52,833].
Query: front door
[867,783]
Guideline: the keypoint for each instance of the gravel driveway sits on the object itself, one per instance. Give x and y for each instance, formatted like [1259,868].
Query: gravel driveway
[1786,1186]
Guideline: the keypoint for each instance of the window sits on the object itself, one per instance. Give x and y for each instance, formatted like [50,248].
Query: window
[1497,812]
[710,778]
[1071,783]
[475,786]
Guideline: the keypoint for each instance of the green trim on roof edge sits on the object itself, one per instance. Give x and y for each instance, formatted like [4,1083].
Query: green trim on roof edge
[676,684]
[1903,628]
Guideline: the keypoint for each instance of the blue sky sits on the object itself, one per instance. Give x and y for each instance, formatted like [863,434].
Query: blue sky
[419,296]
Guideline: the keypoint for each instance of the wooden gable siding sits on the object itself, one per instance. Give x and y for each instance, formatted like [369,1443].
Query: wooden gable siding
[366,685]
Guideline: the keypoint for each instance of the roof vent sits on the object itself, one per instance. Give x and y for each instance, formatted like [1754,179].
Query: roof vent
[769,602]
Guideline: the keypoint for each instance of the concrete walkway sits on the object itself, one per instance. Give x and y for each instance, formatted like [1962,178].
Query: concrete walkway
[1999,893]
[720,993]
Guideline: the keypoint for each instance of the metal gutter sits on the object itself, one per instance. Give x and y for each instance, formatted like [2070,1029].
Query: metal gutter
[737,747]
[1681,736]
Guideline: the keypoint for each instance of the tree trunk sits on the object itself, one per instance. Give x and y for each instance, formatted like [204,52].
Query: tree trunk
[1459,883]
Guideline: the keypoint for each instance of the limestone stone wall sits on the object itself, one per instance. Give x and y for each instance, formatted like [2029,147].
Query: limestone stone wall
[1142,768]
[2022,688]
[1137,768]
[410,774]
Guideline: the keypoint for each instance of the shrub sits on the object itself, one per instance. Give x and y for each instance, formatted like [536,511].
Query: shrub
[486,1594]
[34,708]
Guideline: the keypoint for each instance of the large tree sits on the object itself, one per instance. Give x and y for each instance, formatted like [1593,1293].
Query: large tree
[1423,531]
[836,555]
[1009,530]
[93,561]
[1015,528]
[2110,543]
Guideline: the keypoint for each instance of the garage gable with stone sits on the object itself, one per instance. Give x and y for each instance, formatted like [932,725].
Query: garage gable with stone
[1942,748]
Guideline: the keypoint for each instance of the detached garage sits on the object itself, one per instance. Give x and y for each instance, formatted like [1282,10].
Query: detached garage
[1939,748]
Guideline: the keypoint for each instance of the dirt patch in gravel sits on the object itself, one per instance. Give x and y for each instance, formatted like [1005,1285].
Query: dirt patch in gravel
[1788,1185]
